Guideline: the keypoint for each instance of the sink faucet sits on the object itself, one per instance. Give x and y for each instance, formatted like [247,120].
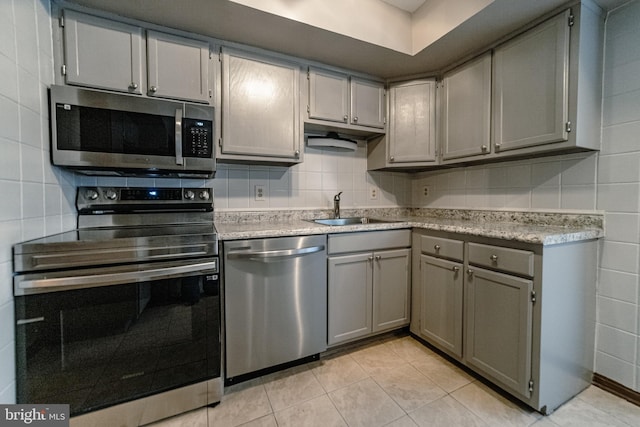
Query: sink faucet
[336,205]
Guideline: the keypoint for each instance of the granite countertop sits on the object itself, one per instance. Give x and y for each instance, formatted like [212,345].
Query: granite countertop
[536,228]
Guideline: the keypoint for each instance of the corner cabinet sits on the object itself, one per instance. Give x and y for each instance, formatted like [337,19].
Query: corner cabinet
[369,283]
[411,138]
[260,109]
[344,103]
[111,55]
[521,315]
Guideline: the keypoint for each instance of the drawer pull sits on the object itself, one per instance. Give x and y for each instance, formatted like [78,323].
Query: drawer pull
[470,272]
[455,268]
[494,258]
[378,257]
[436,247]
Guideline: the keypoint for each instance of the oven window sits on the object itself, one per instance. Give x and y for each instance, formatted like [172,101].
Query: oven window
[116,132]
[97,347]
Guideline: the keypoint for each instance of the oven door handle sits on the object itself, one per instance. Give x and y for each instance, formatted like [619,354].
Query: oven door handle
[94,280]
[179,158]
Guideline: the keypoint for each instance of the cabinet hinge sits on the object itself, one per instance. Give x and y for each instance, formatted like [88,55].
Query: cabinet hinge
[571,20]
[533,296]
[220,142]
[210,93]
[530,386]
[567,126]
[64,70]
[308,109]
[220,55]
[61,21]
[308,73]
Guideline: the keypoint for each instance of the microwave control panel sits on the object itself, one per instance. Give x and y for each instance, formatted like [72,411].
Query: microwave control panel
[197,138]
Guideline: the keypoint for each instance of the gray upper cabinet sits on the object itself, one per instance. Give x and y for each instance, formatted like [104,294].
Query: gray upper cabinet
[328,95]
[260,108]
[367,103]
[102,53]
[345,103]
[531,87]
[466,110]
[177,67]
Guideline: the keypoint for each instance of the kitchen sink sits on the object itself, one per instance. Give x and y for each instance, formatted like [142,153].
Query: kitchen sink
[350,221]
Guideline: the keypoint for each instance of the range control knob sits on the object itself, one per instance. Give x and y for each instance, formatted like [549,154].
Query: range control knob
[189,195]
[111,194]
[204,195]
[91,194]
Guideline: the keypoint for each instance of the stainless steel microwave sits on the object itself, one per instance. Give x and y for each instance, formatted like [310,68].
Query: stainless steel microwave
[101,133]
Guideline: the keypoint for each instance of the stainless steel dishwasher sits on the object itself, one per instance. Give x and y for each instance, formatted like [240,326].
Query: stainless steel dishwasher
[275,302]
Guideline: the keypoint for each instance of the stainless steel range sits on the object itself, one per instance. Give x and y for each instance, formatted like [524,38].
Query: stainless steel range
[124,312]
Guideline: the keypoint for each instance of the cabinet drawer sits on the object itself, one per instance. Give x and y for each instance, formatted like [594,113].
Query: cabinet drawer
[368,241]
[506,259]
[441,247]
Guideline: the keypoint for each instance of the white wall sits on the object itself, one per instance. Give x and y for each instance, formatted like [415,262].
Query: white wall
[36,199]
[617,342]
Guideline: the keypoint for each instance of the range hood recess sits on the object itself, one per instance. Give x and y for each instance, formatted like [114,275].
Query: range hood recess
[332,140]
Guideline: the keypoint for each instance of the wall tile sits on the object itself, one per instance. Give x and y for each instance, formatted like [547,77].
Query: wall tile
[7,30]
[615,369]
[10,191]
[545,198]
[620,256]
[6,283]
[621,42]
[618,197]
[33,200]
[621,138]
[10,234]
[619,168]
[617,343]
[622,227]
[621,108]
[33,228]
[9,116]
[617,314]
[618,285]
[546,174]
[6,320]
[30,128]
[9,160]
[518,198]
[579,171]
[8,78]
[8,362]
[29,87]
[26,35]
[32,164]
[8,394]
[578,197]
[621,79]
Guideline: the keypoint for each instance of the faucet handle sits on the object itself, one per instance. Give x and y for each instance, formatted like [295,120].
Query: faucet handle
[337,197]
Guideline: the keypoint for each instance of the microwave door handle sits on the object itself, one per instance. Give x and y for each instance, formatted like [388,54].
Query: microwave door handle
[179,158]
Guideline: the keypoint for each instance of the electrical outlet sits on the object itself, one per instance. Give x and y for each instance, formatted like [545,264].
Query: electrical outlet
[260,194]
[426,190]
[373,193]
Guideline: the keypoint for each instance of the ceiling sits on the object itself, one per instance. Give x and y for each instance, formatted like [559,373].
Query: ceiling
[384,38]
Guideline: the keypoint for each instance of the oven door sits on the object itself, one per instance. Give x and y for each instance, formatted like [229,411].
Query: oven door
[96,338]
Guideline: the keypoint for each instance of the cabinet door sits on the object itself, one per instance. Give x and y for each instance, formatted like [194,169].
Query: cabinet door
[391,287]
[260,107]
[367,103]
[498,327]
[177,67]
[350,297]
[328,95]
[102,53]
[530,94]
[412,122]
[441,283]
[466,110]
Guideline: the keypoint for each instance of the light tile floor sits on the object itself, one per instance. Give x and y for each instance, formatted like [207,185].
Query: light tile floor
[394,381]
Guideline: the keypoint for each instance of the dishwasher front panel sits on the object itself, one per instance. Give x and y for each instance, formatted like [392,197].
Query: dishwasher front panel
[275,301]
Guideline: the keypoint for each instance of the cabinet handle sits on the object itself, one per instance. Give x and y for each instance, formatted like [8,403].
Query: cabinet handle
[484,148]
[455,269]
[355,120]
[370,259]
[345,117]
[391,158]
[297,153]
[470,272]
[497,145]
[133,86]
[494,258]
[436,247]
[378,257]
[153,89]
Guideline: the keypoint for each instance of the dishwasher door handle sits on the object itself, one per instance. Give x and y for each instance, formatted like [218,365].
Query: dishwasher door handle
[279,253]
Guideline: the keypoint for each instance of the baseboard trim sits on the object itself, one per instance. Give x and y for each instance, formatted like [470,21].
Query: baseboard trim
[617,389]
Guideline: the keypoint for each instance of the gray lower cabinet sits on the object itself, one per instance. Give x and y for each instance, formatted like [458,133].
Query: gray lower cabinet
[368,289]
[521,315]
